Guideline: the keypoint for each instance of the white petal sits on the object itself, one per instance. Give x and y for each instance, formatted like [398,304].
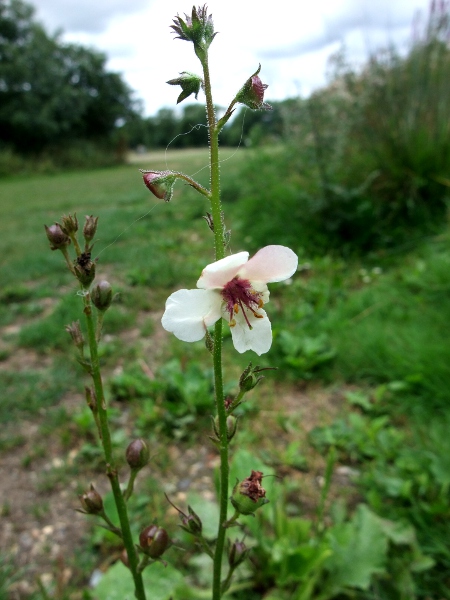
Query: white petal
[258,339]
[217,274]
[189,312]
[272,263]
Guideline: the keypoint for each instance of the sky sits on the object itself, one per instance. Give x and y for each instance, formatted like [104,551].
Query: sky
[292,39]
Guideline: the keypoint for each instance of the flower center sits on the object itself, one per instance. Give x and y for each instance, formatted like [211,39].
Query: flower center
[237,294]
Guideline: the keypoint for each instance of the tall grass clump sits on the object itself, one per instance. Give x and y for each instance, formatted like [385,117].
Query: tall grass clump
[368,161]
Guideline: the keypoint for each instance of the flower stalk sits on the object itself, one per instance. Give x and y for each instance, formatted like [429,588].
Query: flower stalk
[111,470]
[223,442]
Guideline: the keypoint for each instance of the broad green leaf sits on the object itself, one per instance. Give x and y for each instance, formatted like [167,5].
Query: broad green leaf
[117,584]
[359,551]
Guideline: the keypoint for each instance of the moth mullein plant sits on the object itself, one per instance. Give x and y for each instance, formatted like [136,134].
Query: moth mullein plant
[233,288]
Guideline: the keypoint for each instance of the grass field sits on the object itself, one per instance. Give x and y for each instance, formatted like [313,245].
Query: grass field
[363,364]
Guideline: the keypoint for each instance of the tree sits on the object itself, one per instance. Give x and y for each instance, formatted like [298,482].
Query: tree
[52,92]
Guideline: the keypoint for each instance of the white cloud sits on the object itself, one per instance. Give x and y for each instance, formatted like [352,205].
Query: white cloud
[292,40]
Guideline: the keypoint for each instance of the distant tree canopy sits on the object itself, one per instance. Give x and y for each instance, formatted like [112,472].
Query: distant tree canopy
[53,92]
[188,128]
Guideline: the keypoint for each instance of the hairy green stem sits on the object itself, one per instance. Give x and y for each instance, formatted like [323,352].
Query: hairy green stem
[217,356]
[111,470]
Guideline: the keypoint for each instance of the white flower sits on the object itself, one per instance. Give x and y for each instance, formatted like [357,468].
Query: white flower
[233,288]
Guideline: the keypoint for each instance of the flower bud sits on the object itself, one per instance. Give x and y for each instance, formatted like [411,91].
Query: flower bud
[137,454]
[154,541]
[90,228]
[101,296]
[124,558]
[237,554]
[74,330]
[69,224]
[85,269]
[191,522]
[160,183]
[248,495]
[198,29]
[189,83]
[92,502]
[231,427]
[252,93]
[56,236]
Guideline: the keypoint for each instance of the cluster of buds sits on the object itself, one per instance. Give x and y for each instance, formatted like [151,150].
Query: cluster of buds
[197,28]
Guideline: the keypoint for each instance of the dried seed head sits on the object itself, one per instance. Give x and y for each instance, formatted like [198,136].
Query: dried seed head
[248,495]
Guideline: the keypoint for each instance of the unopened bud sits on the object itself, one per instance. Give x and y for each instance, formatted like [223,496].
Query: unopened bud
[237,554]
[74,330]
[191,522]
[56,236]
[85,269]
[92,502]
[252,93]
[197,28]
[248,495]
[189,83]
[69,224]
[101,296]
[160,183]
[124,558]
[137,454]
[231,427]
[90,228]
[154,541]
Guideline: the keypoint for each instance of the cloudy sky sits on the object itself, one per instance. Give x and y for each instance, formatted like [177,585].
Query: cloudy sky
[292,39]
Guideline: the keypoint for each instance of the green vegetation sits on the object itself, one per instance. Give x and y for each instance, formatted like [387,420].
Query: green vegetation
[361,505]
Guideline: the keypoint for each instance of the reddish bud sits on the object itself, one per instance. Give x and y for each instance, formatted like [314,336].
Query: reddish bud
[237,554]
[92,502]
[101,296]
[252,93]
[137,454]
[56,236]
[160,183]
[154,541]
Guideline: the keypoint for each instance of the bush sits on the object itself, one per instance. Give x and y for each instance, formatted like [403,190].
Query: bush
[368,163]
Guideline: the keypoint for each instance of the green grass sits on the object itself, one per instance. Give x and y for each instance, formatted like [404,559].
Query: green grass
[368,323]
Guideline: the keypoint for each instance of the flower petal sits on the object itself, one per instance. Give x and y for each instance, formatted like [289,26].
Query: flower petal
[272,263]
[189,312]
[258,339]
[217,274]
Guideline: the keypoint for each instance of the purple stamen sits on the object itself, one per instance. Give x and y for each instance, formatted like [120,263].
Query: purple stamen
[239,292]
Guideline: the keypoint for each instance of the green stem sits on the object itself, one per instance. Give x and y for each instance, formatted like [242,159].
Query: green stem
[216,210]
[111,470]
[130,487]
